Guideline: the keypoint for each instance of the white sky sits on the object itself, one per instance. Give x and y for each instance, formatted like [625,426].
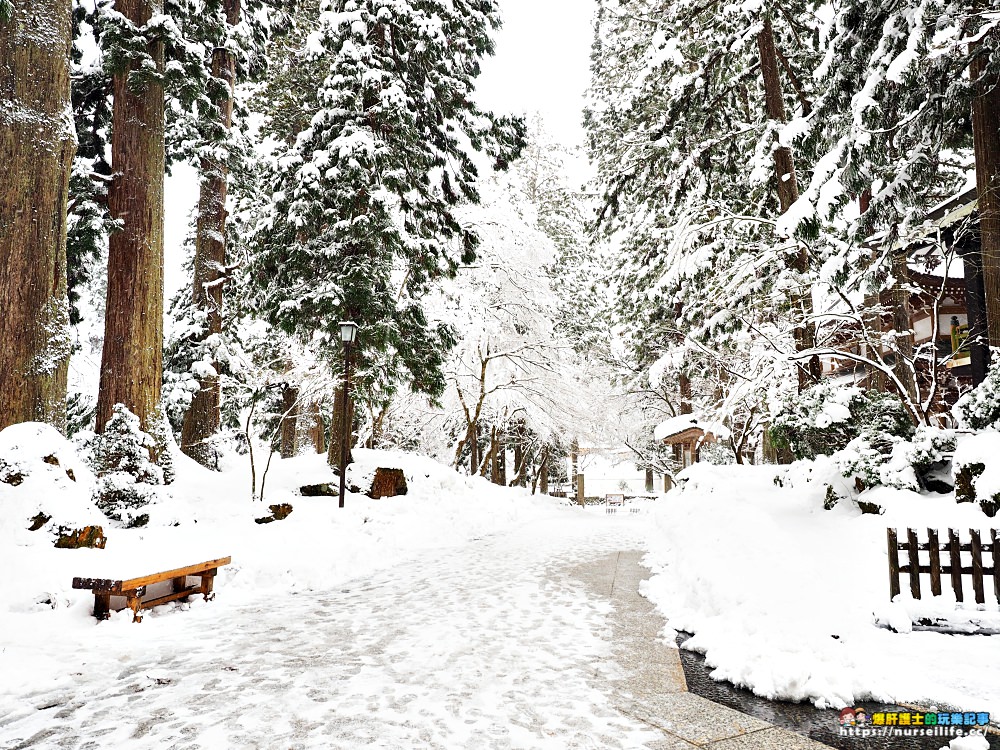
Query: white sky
[542,63]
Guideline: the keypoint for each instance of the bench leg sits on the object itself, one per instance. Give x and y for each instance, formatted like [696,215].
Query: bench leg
[207,582]
[133,600]
[102,605]
[180,584]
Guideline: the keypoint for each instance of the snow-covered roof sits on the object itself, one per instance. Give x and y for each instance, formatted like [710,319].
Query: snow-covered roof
[682,422]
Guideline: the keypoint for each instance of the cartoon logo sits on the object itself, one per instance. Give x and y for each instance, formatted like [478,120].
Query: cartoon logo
[848,717]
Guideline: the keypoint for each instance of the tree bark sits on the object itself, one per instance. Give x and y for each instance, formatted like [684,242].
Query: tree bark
[317,429]
[684,386]
[37,144]
[473,449]
[543,472]
[902,324]
[986,138]
[975,306]
[132,361]
[337,429]
[574,459]
[788,193]
[204,417]
[290,421]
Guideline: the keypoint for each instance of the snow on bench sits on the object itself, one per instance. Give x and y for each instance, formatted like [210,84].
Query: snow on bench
[134,589]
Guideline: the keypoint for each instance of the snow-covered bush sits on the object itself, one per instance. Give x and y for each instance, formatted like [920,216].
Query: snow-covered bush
[979,409]
[121,458]
[977,473]
[827,417]
[873,459]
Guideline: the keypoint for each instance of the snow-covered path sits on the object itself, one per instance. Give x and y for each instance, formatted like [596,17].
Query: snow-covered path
[494,644]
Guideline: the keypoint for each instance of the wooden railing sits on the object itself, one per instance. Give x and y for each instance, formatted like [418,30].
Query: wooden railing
[954,566]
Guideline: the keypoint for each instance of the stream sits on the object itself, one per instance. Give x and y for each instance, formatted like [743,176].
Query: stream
[821,725]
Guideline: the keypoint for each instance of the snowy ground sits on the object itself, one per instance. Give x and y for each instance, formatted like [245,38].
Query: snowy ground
[782,595]
[445,618]
[488,644]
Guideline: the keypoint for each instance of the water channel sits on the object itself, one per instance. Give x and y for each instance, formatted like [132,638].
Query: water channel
[822,725]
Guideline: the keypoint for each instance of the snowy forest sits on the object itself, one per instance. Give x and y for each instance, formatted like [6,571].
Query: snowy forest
[771,269]
[755,246]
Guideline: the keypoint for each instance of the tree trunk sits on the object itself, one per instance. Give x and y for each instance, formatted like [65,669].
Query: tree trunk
[37,144]
[132,361]
[986,137]
[574,459]
[649,480]
[290,421]
[317,430]
[975,306]
[337,429]
[788,193]
[204,417]
[684,386]
[543,472]
[494,459]
[902,324]
[474,457]
[502,463]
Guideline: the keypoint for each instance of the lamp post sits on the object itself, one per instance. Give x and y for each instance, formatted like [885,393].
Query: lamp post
[348,333]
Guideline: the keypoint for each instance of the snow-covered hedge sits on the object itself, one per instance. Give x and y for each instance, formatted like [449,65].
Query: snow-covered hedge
[828,416]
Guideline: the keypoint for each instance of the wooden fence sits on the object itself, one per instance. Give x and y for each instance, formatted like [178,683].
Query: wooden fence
[954,568]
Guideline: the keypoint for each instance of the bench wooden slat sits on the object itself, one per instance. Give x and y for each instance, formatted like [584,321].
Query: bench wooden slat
[171,597]
[118,587]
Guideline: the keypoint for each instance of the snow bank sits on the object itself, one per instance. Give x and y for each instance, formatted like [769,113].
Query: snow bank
[981,448]
[206,515]
[782,595]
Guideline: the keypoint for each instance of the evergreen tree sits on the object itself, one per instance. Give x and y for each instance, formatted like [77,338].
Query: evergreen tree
[361,220]
[686,134]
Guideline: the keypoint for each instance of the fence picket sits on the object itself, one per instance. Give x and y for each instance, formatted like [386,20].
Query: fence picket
[955,553]
[977,567]
[913,553]
[893,563]
[934,547]
[996,564]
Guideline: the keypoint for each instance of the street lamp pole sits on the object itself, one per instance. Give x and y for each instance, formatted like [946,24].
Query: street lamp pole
[348,333]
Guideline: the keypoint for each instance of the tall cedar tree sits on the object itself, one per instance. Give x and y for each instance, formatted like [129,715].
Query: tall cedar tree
[132,360]
[37,143]
[687,106]
[204,416]
[361,220]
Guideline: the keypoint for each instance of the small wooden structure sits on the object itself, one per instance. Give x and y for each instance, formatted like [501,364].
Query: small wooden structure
[955,567]
[686,436]
[134,589]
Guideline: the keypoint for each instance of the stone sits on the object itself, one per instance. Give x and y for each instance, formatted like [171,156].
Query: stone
[388,483]
[278,513]
[319,490]
[39,521]
[89,536]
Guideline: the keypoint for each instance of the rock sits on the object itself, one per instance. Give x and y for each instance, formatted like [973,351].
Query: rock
[89,536]
[319,490]
[965,482]
[278,513]
[388,483]
[39,521]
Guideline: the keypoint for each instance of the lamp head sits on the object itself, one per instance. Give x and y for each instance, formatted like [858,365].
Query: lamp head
[348,331]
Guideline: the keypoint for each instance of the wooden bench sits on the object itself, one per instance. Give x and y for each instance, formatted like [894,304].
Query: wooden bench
[134,589]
